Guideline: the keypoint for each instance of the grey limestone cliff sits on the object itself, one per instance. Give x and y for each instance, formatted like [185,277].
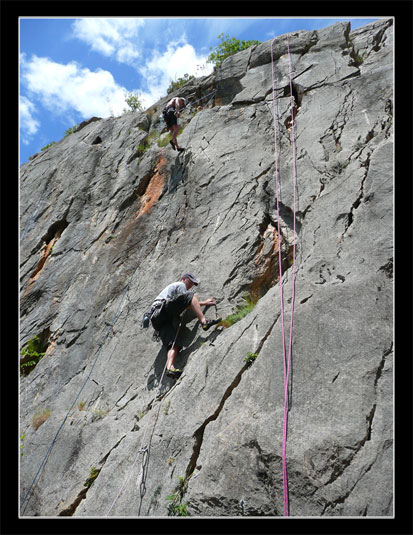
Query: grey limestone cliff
[109,217]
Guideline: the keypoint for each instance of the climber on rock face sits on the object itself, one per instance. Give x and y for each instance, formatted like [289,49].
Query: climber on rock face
[170,114]
[165,315]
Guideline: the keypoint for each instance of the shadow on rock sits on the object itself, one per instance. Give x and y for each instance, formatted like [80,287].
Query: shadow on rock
[190,343]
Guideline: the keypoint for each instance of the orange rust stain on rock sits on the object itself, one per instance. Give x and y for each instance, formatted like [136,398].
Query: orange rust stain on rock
[46,250]
[266,262]
[153,190]
[50,348]
[40,265]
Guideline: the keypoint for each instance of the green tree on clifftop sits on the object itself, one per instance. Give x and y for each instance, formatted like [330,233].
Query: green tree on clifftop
[133,100]
[227,47]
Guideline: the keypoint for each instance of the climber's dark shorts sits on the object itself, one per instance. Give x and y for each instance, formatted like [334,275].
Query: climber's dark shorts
[169,117]
[166,322]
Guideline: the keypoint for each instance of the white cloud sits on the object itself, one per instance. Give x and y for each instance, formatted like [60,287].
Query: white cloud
[111,37]
[174,63]
[68,88]
[127,40]
[28,124]
[180,58]
[63,88]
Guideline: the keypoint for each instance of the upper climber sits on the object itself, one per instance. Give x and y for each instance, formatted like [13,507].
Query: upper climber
[170,114]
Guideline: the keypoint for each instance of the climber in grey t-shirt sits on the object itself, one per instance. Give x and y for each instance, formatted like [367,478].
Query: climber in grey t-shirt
[171,291]
[168,306]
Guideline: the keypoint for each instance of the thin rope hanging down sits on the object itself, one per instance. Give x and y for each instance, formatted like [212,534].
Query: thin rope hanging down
[144,449]
[286,362]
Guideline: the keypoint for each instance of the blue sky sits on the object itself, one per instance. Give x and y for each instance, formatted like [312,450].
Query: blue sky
[73,69]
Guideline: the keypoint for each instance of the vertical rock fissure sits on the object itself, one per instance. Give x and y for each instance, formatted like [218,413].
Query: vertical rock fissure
[337,472]
[199,433]
[71,509]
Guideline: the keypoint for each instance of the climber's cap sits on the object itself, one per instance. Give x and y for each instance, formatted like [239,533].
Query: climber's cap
[191,278]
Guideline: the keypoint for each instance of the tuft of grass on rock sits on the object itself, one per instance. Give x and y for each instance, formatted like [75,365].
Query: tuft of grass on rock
[241,312]
[250,358]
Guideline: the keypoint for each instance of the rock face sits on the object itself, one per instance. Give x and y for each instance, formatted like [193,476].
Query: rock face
[109,217]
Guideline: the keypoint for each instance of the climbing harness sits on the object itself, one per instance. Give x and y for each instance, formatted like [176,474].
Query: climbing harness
[286,361]
[155,308]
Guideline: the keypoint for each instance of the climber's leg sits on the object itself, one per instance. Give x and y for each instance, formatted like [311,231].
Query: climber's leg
[172,354]
[196,308]
[174,132]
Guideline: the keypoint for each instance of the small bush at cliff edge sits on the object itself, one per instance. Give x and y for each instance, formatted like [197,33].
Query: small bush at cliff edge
[133,100]
[176,84]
